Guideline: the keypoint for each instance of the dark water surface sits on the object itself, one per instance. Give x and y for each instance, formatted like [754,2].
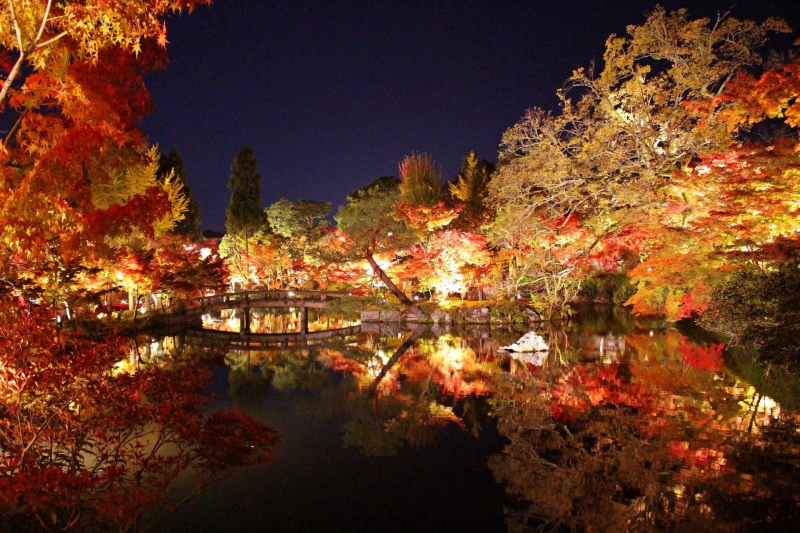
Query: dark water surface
[621,426]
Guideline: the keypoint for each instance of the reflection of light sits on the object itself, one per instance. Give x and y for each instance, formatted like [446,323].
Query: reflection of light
[291,294]
[449,357]
[416,297]
[390,234]
[100,315]
[651,332]
[205,252]
[767,403]
[376,365]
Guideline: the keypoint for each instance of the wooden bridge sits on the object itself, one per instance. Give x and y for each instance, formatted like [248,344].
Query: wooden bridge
[265,298]
[181,310]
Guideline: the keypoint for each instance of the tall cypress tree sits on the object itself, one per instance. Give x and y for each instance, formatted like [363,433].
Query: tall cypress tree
[245,216]
[190,225]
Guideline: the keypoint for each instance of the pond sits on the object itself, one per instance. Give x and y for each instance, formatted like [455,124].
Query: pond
[622,425]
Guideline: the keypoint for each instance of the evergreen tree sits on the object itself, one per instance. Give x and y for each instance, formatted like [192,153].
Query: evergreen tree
[282,218]
[190,225]
[311,212]
[367,220]
[472,185]
[245,216]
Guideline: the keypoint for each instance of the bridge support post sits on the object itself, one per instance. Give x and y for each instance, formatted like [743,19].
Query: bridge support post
[244,321]
[304,320]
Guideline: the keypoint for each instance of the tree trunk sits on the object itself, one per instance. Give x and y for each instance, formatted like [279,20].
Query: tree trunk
[405,300]
[408,343]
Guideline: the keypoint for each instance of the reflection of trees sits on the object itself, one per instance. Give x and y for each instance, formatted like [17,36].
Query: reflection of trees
[254,372]
[85,448]
[405,399]
[658,442]
[389,391]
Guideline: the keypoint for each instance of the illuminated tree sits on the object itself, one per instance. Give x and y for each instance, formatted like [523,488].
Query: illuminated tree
[370,229]
[245,216]
[448,261]
[189,226]
[282,218]
[420,181]
[606,161]
[48,35]
[311,212]
[89,448]
[727,212]
[472,185]
[79,187]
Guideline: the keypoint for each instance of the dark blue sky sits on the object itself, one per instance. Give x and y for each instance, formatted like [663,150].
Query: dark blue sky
[332,95]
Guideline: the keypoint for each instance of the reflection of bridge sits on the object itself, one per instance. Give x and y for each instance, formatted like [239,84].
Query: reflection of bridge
[254,341]
[302,300]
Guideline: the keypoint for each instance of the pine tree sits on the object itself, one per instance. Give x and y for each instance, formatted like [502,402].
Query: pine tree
[190,225]
[245,215]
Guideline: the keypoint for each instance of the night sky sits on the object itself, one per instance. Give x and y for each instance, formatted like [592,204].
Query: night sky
[332,95]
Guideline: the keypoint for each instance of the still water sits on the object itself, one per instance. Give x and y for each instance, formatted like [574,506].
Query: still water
[620,426]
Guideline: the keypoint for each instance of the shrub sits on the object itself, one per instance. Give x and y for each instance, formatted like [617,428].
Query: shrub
[614,288]
[762,309]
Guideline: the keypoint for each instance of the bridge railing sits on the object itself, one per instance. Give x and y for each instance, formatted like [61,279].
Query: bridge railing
[255,295]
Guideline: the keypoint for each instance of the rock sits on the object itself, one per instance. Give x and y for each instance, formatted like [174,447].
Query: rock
[440,315]
[370,316]
[478,315]
[416,317]
[391,315]
[533,358]
[533,316]
[530,342]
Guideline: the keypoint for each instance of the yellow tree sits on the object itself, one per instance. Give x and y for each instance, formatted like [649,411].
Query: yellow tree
[77,180]
[607,157]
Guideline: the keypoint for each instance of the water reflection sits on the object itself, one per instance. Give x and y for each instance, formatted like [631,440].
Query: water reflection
[388,390]
[272,321]
[620,426]
[655,436]
[92,443]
